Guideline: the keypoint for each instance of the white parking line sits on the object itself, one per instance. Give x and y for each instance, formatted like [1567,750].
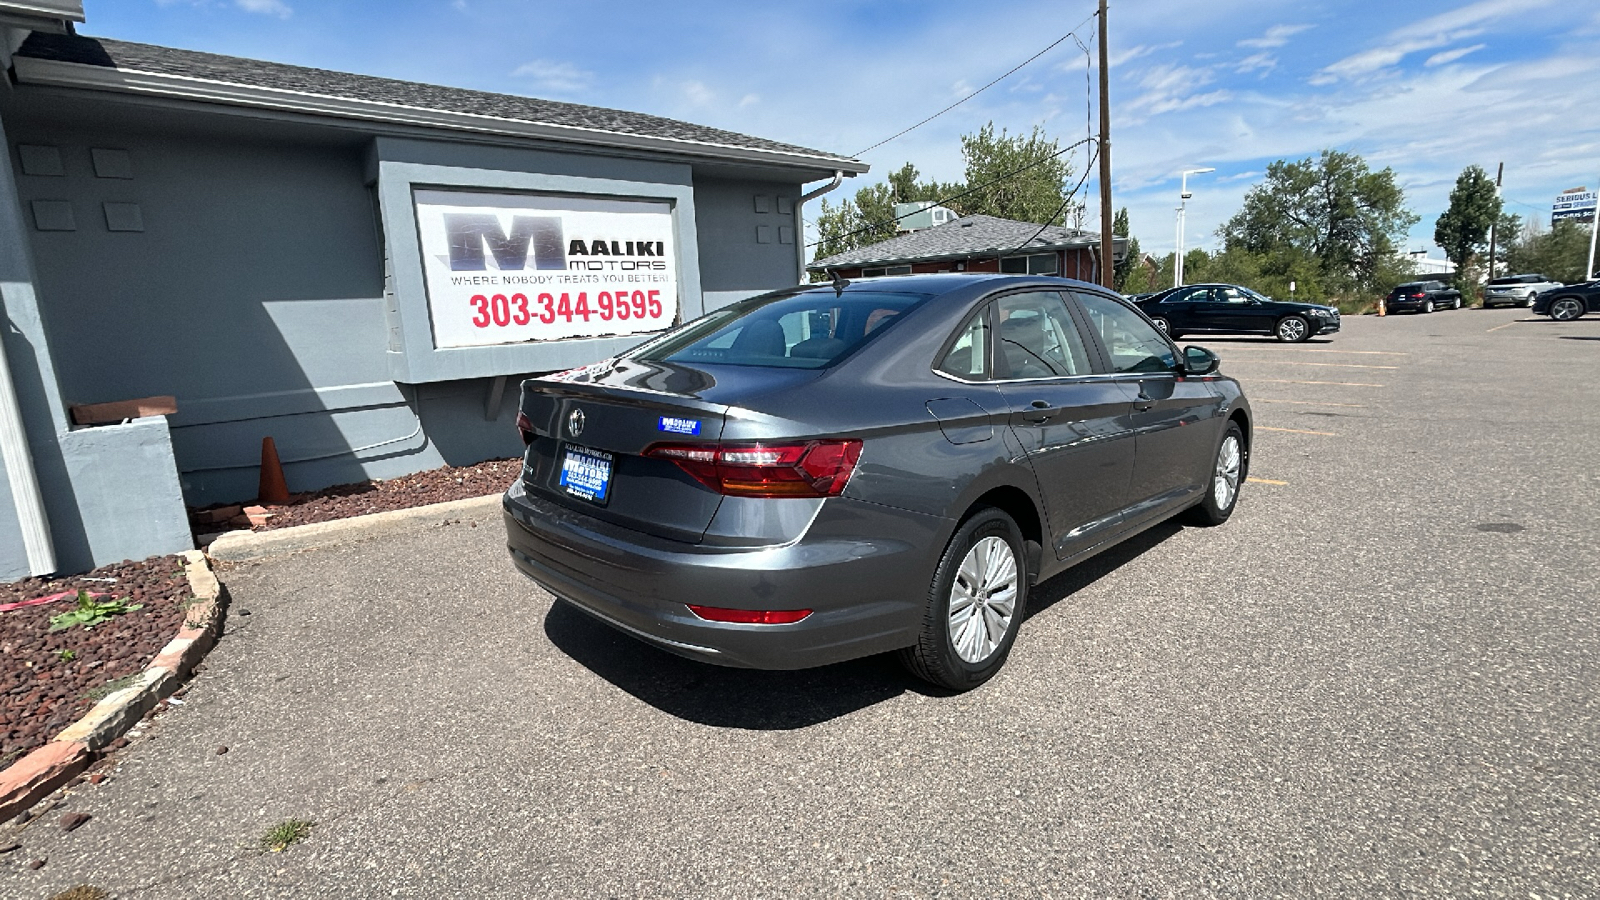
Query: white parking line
[1324,350]
[1339,383]
[1296,362]
[1310,403]
[1296,431]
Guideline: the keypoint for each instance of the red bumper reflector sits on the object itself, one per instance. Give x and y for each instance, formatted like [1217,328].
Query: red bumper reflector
[525,427]
[750,616]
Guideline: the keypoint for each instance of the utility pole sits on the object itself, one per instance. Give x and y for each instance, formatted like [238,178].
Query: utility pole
[1108,263]
[1495,224]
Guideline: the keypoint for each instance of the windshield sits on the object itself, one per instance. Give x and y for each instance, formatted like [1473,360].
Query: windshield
[808,330]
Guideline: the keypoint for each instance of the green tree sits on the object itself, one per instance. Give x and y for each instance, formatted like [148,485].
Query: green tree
[1332,209]
[1130,260]
[1560,253]
[1463,229]
[1036,195]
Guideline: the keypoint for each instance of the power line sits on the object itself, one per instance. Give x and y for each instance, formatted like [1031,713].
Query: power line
[971,190]
[975,93]
[1060,209]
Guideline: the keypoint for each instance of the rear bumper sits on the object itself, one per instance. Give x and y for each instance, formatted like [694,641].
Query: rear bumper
[867,593]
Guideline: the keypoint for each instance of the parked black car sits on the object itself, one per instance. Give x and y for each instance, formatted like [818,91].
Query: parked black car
[1567,303]
[828,472]
[1422,297]
[1231,309]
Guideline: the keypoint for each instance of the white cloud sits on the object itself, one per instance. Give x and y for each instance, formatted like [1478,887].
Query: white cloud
[1264,61]
[698,94]
[266,7]
[1276,36]
[1116,60]
[749,100]
[1450,56]
[554,77]
[1424,34]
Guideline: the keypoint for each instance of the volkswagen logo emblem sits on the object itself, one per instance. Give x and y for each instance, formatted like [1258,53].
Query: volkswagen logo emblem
[575,423]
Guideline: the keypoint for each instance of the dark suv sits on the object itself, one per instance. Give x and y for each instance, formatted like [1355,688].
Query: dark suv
[1423,297]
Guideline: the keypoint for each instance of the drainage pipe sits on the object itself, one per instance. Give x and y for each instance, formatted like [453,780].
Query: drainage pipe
[800,222]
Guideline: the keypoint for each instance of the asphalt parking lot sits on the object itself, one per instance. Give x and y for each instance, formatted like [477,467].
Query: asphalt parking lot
[1379,679]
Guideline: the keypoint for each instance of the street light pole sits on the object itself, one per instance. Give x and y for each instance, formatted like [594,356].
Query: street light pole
[1183,197]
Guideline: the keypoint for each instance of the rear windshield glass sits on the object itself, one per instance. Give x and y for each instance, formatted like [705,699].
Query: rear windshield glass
[798,331]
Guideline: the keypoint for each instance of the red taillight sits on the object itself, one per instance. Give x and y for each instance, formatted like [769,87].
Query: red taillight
[525,426]
[809,469]
[750,616]
[1418,296]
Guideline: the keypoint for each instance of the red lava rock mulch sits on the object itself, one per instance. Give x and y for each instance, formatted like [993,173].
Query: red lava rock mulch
[345,500]
[42,690]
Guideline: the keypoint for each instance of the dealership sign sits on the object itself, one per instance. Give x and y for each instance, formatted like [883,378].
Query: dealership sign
[1577,203]
[503,268]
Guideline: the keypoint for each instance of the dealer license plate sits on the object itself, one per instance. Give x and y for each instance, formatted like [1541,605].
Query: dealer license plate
[586,473]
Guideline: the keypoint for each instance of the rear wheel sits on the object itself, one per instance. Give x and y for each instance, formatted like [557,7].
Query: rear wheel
[1427,305]
[975,604]
[1458,304]
[1162,323]
[1292,328]
[1565,309]
[1223,491]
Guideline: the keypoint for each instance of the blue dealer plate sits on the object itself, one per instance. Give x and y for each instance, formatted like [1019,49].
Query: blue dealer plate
[586,473]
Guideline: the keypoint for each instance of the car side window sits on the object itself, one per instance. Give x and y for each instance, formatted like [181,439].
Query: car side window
[966,358]
[1230,295]
[1036,338]
[1133,344]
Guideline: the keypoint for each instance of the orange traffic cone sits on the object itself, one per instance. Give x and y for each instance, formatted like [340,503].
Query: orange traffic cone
[274,489]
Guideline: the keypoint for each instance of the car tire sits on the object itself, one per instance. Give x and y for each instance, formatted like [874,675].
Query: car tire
[1427,305]
[1527,302]
[1291,329]
[1162,323]
[1566,309]
[1458,304]
[1227,475]
[982,573]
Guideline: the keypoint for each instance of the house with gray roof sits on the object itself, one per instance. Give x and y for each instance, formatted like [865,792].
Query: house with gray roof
[360,268]
[977,243]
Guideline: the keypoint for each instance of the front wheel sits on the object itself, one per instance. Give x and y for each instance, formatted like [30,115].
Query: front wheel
[1526,302]
[1292,328]
[1223,491]
[975,604]
[1565,309]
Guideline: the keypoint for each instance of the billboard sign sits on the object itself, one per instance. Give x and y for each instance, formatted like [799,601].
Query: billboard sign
[1577,203]
[504,268]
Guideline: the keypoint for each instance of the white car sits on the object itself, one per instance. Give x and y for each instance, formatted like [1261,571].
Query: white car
[1516,290]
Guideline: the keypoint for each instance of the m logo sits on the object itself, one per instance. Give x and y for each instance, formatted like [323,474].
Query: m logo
[469,233]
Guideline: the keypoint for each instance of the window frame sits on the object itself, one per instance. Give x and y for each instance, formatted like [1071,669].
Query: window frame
[989,307]
[1101,351]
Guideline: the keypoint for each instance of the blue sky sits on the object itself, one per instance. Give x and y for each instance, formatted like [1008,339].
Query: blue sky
[1426,88]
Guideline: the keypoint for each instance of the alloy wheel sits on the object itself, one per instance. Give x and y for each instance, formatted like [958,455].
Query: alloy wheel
[983,599]
[1566,309]
[1292,329]
[1225,484]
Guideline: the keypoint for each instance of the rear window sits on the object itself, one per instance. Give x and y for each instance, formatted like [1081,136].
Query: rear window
[809,330]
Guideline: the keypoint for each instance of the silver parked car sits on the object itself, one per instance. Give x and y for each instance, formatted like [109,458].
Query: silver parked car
[833,471]
[1516,290]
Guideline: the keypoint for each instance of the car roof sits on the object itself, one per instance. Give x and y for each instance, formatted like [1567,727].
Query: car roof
[945,282]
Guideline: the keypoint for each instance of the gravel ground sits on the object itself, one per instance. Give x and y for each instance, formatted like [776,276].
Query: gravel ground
[345,500]
[48,678]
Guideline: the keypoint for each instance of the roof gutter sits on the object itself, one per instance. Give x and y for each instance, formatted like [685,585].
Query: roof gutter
[976,253]
[800,223]
[55,73]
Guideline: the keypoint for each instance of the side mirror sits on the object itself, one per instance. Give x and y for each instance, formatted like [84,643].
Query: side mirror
[1200,361]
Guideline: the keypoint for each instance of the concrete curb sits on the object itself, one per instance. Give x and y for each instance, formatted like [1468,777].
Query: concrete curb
[243,546]
[32,778]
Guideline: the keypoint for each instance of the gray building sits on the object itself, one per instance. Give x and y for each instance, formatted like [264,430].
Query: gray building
[358,267]
[976,243]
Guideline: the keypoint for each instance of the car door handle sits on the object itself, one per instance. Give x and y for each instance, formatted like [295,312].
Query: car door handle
[1041,412]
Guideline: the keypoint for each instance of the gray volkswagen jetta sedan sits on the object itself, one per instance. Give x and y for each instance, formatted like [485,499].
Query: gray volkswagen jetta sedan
[837,470]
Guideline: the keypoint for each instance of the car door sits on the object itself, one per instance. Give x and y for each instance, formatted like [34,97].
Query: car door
[1182,309]
[1242,311]
[1073,423]
[1176,420]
